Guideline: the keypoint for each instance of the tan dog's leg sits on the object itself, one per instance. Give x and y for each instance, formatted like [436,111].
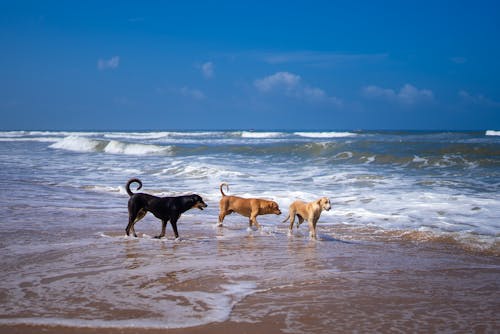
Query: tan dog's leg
[313,220]
[291,217]
[314,226]
[222,214]
[301,220]
[312,229]
[291,214]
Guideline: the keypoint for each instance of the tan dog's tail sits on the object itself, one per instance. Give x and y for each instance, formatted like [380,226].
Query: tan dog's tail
[227,188]
[134,180]
[287,217]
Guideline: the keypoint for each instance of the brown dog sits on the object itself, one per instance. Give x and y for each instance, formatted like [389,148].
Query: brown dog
[248,207]
[309,212]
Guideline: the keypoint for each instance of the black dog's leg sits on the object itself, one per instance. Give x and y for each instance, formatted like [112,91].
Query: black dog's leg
[173,221]
[163,228]
[131,222]
[133,218]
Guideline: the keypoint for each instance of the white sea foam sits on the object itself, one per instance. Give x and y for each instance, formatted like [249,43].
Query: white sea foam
[85,144]
[251,134]
[200,170]
[343,155]
[34,139]
[325,134]
[136,135]
[492,133]
[117,147]
[419,160]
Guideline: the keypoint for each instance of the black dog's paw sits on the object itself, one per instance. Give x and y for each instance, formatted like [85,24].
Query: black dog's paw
[158,236]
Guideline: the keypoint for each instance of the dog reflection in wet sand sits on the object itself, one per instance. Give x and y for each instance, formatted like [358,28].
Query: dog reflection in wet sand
[248,207]
[307,211]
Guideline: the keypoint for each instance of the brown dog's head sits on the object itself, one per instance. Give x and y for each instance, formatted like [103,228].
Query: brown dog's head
[273,207]
[324,203]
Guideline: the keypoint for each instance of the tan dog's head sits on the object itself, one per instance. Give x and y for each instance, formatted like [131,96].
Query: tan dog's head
[273,207]
[324,203]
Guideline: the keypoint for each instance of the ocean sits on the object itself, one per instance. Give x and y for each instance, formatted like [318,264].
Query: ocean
[407,207]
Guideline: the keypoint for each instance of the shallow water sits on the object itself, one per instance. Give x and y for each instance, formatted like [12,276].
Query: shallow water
[411,241]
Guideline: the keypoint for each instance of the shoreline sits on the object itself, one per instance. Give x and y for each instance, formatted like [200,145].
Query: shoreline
[350,286]
[212,328]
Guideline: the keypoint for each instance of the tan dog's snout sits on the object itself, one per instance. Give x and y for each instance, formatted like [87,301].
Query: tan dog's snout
[326,204]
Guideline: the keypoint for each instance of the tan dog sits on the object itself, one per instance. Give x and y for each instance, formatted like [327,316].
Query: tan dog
[248,207]
[309,212]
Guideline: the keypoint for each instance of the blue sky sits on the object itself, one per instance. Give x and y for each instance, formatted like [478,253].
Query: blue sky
[311,65]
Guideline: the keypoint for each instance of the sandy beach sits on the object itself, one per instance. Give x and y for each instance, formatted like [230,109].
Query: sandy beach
[305,286]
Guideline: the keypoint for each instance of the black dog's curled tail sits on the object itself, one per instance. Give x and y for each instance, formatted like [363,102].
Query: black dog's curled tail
[222,185]
[129,192]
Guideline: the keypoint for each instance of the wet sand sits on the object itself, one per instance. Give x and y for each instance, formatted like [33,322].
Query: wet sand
[337,284]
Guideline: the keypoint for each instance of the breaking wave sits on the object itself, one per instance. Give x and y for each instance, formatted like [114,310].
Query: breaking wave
[492,133]
[84,144]
[251,134]
[470,242]
[325,134]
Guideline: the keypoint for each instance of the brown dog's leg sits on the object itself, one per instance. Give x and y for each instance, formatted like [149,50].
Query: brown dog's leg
[253,220]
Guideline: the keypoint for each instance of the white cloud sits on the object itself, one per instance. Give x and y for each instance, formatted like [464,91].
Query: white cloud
[104,64]
[278,80]
[291,85]
[207,69]
[408,94]
[478,99]
[184,91]
[192,93]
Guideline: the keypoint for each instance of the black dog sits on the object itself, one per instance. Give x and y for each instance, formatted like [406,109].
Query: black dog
[164,208]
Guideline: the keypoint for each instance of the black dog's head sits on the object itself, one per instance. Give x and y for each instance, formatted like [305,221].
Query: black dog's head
[198,202]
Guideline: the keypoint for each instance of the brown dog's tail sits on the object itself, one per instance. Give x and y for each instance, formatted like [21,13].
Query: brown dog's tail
[129,192]
[227,188]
